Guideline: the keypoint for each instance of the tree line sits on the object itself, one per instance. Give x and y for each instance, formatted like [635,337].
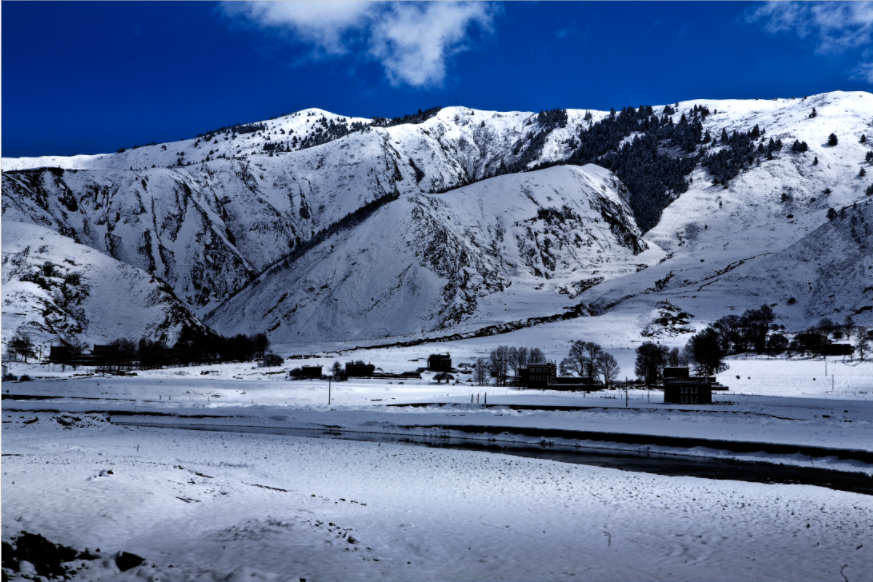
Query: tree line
[503,360]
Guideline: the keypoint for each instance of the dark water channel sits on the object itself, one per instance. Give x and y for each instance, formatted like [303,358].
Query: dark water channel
[642,462]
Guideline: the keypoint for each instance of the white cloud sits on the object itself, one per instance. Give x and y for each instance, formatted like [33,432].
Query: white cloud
[836,26]
[412,41]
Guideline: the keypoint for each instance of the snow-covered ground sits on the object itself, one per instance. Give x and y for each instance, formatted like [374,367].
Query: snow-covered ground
[773,401]
[211,506]
[228,506]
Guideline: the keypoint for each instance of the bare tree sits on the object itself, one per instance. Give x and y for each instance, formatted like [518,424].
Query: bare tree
[849,325]
[566,367]
[499,364]
[608,367]
[518,360]
[480,372]
[536,356]
[592,353]
[21,344]
[582,359]
[863,346]
[673,358]
[574,363]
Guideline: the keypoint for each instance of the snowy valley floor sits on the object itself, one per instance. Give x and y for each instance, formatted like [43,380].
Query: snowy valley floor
[226,506]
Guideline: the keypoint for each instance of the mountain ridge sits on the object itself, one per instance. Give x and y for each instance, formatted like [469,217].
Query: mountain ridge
[212,228]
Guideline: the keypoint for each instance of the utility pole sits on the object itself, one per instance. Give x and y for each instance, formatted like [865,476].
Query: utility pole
[328,391]
[625,394]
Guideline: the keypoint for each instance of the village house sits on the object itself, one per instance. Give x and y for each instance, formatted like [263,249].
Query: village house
[359,369]
[439,363]
[682,388]
[541,375]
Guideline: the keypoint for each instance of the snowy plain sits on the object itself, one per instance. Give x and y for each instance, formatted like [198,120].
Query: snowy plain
[229,506]
[210,506]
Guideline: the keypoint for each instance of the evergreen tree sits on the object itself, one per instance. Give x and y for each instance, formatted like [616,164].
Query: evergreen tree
[815,161]
[831,214]
[863,138]
[862,173]
[832,140]
[813,114]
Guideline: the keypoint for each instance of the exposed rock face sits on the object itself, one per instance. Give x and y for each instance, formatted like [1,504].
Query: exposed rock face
[57,290]
[426,262]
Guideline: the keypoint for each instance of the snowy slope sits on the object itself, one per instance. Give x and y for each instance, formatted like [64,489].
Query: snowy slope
[430,261]
[837,282]
[210,225]
[55,289]
[766,237]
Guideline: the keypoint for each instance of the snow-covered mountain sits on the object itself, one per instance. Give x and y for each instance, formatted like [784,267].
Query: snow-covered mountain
[208,228]
[426,262]
[219,217]
[57,290]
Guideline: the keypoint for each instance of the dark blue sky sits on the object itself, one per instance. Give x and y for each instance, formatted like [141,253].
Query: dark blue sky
[93,77]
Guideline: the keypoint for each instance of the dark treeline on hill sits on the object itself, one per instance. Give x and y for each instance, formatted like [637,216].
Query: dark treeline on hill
[655,164]
[414,119]
[147,354]
[240,128]
[327,131]
[748,332]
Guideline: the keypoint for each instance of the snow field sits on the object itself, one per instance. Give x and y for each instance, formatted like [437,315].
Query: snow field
[770,408]
[424,514]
